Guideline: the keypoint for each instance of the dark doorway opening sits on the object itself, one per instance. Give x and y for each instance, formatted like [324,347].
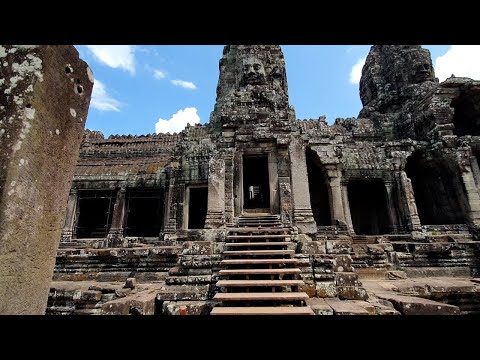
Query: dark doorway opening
[95,210]
[439,191]
[368,206]
[197,207]
[317,184]
[466,117]
[256,185]
[144,213]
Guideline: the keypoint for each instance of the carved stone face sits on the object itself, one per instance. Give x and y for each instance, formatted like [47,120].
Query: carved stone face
[423,72]
[253,72]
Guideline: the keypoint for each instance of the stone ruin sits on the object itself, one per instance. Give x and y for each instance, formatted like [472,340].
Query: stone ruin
[258,212]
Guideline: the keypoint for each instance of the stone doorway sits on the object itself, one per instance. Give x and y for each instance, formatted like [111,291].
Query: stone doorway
[439,191]
[256,184]
[197,206]
[368,206]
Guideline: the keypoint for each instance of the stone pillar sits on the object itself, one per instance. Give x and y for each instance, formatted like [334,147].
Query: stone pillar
[284,184]
[411,206]
[302,210]
[44,95]
[216,194]
[69,224]
[115,234]
[336,203]
[171,207]
[392,214]
[473,197]
[229,197]
[346,207]
[475,170]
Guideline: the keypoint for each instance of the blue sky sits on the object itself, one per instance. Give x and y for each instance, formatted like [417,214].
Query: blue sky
[141,89]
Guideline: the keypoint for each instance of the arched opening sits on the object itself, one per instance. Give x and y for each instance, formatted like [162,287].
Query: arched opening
[439,191]
[368,206]
[466,117]
[317,184]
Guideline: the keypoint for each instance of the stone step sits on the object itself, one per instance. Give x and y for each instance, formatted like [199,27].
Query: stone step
[288,296]
[264,243]
[247,283]
[258,216]
[274,236]
[260,271]
[256,229]
[257,261]
[262,310]
[258,252]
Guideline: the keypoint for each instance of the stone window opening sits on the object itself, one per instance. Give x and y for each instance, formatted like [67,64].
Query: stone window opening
[94,213]
[144,212]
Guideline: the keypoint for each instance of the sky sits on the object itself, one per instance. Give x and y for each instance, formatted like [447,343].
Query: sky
[142,89]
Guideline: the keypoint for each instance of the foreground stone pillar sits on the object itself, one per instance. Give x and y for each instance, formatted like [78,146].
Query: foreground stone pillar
[412,214]
[302,209]
[67,231]
[216,194]
[346,207]
[338,214]
[473,197]
[392,215]
[115,234]
[44,95]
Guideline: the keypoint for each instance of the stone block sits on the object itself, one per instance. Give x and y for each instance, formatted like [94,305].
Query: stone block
[313,247]
[342,263]
[197,248]
[347,279]
[319,306]
[352,293]
[339,246]
[326,289]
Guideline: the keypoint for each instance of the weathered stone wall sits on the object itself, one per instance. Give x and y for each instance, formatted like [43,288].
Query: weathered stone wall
[44,96]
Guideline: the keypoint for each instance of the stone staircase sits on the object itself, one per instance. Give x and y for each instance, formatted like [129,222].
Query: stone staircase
[259,274]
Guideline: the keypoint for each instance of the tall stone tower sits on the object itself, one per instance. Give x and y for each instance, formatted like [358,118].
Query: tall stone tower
[395,78]
[252,87]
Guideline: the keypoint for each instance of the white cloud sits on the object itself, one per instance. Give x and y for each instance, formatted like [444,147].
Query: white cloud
[459,60]
[356,72]
[178,121]
[185,84]
[101,100]
[115,56]
[158,74]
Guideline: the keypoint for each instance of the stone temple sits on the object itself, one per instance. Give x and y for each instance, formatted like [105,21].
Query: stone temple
[258,212]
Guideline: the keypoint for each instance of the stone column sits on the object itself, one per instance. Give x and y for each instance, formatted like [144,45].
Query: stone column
[473,197]
[475,170]
[392,214]
[216,194]
[284,184]
[302,210]
[44,95]
[115,234]
[411,206]
[336,203]
[346,207]
[229,197]
[170,207]
[69,224]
